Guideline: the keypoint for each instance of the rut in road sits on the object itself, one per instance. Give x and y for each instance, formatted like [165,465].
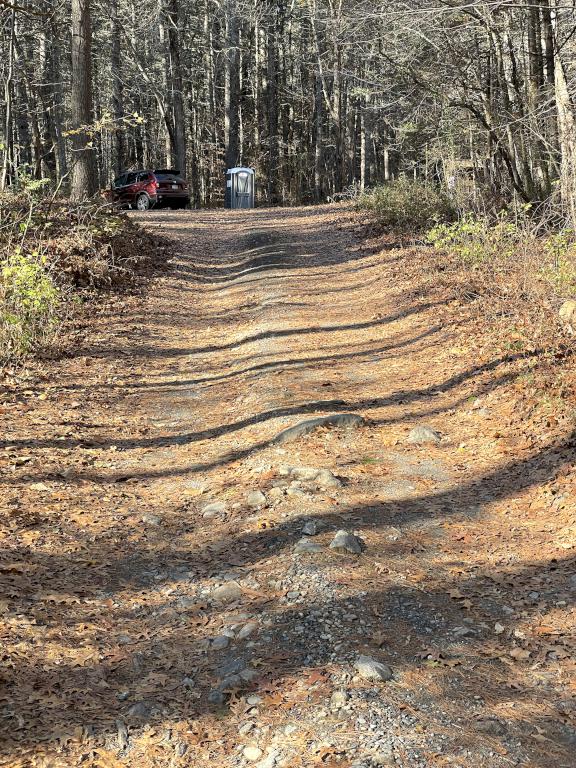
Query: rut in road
[188,608]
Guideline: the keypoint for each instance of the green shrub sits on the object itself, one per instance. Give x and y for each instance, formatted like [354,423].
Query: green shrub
[28,304]
[477,240]
[560,267]
[53,253]
[408,206]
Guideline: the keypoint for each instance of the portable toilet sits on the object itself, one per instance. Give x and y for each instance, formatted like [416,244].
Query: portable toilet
[239,188]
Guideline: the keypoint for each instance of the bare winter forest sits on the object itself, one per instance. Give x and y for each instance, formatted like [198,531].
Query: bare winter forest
[316,96]
[287,480]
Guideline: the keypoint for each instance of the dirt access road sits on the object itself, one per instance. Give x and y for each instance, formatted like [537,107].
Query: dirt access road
[170,596]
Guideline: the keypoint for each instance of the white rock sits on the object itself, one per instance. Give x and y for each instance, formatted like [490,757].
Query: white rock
[423,434]
[151,519]
[270,759]
[247,630]
[338,699]
[227,593]
[370,669]
[256,500]
[216,509]
[321,478]
[252,753]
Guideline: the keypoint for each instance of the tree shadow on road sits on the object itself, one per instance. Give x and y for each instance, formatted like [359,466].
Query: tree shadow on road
[133,637]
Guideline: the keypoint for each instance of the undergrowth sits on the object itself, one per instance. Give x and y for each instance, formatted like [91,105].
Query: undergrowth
[514,272]
[54,254]
[407,207]
[514,275]
[512,256]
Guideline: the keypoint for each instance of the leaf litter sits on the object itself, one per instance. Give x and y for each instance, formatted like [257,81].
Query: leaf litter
[109,569]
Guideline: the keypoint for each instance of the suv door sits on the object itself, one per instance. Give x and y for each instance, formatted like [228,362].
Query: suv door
[131,188]
[117,186]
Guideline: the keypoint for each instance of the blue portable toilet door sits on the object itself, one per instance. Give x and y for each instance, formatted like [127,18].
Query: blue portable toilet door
[243,192]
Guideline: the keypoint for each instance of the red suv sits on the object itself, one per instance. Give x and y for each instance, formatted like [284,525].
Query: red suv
[143,189]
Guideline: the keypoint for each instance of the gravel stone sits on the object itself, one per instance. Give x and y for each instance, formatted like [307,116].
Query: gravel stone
[247,630]
[315,476]
[227,593]
[140,709]
[338,699]
[305,427]
[217,698]
[256,500]
[305,546]
[370,669]
[216,509]
[252,753]
[151,519]
[220,642]
[270,760]
[311,528]
[345,542]
[423,434]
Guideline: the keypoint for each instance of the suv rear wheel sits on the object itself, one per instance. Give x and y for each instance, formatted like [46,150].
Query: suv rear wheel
[142,202]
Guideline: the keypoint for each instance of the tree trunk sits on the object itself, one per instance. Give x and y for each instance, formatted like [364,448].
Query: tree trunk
[119,148]
[272,109]
[318,140]
[232,88]
[83,182]
[567,139]
[7,146]
[176,87]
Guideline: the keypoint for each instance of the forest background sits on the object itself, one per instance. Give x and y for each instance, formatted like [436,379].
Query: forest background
[317,95]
